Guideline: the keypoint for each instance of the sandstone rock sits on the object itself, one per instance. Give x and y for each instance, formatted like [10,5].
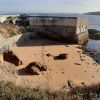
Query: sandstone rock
[12,58]
[1,59]
[8,73]
[35,68]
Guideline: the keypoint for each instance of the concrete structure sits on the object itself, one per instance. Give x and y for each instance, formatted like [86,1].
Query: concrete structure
[70,29]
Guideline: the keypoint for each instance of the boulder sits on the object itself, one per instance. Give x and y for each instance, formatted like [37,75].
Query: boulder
[35,68]
[12,58]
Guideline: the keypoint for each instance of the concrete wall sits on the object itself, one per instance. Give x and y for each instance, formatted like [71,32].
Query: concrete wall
[68,27]
[71,22]
[64,26]
[50,21]
[82,25]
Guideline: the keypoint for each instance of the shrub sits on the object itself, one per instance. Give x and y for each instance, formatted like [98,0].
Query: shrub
[13,34]
[9,91]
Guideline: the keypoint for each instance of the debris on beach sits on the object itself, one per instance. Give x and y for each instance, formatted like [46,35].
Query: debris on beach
[60,57]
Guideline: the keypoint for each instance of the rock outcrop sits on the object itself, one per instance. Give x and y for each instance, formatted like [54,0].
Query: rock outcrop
[12,58]
[35,68]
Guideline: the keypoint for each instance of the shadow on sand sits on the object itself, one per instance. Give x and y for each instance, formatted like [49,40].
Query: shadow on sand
[23,72]
[33,39]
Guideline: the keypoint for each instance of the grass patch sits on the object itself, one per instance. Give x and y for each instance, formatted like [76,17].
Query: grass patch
[13,34]
[9,91]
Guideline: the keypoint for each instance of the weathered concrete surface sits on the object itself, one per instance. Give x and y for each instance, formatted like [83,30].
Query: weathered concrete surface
[83,37]
[64,29]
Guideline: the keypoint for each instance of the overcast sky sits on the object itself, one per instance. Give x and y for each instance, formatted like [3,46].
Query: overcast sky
[52,6]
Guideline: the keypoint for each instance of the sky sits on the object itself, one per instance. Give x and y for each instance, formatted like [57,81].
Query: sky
[49,6]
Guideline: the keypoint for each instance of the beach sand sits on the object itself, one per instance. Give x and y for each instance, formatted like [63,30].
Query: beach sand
[78,67]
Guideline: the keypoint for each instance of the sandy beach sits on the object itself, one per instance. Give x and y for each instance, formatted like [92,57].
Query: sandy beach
[78,67]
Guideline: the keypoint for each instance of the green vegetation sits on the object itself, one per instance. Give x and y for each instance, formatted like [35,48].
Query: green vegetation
[8,30]
[9,91]
[13,34]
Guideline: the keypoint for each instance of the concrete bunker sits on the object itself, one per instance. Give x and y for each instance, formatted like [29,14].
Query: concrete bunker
[61,28]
